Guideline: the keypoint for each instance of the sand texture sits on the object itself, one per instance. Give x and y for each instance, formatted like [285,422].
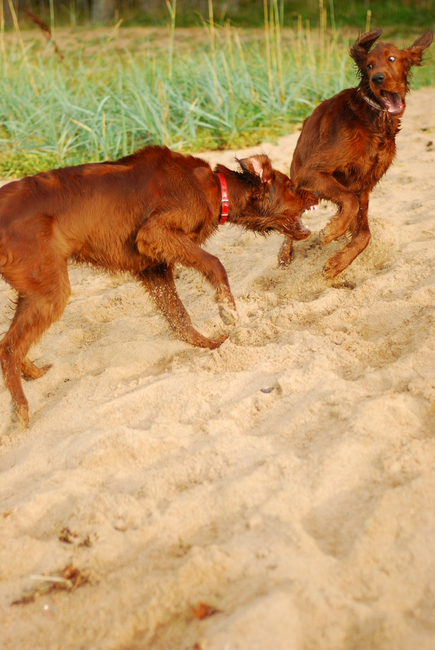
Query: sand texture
[286,479]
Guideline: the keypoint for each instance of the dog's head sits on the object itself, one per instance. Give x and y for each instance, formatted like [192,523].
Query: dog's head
[384,70]
[275,205]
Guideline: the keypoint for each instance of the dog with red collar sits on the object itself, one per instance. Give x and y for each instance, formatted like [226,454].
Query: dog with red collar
[141,214]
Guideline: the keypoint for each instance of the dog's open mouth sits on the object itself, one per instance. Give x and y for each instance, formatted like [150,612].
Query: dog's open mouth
[300,230]
[392,102]
[296,229]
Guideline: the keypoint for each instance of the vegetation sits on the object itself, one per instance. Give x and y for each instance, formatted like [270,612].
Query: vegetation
[401,13]
[118,89]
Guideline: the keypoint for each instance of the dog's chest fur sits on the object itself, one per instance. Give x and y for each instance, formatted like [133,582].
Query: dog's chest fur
[381,150]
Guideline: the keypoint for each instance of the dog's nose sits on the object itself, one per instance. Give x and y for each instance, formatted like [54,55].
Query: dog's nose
[378,78]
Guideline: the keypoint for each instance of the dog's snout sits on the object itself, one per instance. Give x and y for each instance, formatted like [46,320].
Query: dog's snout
[378,78]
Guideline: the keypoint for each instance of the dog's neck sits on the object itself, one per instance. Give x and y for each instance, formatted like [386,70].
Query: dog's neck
[379,117]
[370,101]
[244,191]
[238,196]
[224,199]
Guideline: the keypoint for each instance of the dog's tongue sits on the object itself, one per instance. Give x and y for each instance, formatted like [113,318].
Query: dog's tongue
[393,102]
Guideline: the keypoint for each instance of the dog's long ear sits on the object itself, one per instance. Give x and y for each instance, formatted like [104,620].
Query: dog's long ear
[258,165]
[362,45]
[414,54]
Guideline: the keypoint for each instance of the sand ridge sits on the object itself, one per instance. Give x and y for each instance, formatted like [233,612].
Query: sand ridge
[286,478]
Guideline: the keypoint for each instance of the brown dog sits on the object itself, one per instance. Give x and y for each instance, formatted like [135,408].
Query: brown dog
[348,142]
[142,214]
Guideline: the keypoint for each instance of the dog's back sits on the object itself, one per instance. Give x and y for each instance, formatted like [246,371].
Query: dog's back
[92,212]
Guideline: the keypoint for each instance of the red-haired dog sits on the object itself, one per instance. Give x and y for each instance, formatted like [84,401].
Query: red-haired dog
[348,142]
[142,214]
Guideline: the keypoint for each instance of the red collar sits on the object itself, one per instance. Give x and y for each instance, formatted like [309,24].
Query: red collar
[224,199]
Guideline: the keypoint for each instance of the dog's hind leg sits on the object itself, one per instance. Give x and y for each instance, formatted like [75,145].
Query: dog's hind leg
[360,237]
[159,281]
[34,314]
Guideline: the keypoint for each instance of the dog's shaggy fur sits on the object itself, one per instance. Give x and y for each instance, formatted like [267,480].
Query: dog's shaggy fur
[348,142]
[142,214]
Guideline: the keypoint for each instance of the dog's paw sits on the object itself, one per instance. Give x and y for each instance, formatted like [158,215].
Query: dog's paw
[333,267]
[228,313]
[328,273]
[215,343]
[328,234]
[20,415]
[227,306]
[334,229]
[193,337]
[30,371]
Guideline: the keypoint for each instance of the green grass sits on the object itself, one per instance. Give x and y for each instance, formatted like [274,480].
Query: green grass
[222,87]
[403,14]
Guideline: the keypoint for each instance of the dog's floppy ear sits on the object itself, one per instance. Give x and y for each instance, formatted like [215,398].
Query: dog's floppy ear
[362,45]
[413,54]
[258,165]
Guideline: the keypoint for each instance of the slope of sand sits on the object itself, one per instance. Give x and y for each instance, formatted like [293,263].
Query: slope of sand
[305,513]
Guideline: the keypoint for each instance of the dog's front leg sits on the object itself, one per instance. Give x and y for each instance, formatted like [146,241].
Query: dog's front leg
[159,281]
[174,246]
[212,269]
[285,252]
[329,189]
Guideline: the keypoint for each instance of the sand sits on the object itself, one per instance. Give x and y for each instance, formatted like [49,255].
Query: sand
[286,479]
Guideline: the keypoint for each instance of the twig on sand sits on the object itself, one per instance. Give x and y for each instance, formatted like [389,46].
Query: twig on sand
[70,579]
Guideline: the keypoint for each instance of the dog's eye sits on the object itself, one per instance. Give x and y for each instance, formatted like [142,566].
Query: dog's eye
[370,66]
[391,59]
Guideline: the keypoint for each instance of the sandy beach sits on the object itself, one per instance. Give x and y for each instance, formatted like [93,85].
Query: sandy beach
[286,479]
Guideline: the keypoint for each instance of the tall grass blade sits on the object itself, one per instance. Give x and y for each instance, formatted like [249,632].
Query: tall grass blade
[23,49]
[172,8]
[267,43]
